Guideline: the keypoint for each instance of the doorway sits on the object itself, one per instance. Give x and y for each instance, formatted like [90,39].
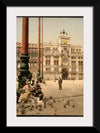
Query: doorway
[64,73]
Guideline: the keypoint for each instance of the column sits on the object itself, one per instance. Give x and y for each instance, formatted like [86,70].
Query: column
[77,68]
[25,36]
[39,44]
[39,77]
[42,51]
[60,66]
[52,63]
[70,67]
[44,63]
[24,67]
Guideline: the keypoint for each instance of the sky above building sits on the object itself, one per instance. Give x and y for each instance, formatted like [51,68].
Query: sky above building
[52,28]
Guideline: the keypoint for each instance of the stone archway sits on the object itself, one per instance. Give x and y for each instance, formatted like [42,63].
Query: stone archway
[64,73]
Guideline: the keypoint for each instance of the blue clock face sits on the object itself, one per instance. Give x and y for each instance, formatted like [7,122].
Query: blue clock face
[64,60]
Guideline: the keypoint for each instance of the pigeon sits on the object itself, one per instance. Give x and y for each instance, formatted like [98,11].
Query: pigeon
[47,103]
[22,106]
[40,109]
[73,106]
[55,109]
[32,105]
[64,106]
[58,100]
[51,97]
[71,99]
[40,106]
[44,105]
[23,111]
[25,106]
[30,108]
[68,102]
[51,106]
[37,112]
[35,101]
[36,106]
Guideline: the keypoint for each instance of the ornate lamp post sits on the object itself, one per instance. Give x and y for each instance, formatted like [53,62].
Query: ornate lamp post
[24,68]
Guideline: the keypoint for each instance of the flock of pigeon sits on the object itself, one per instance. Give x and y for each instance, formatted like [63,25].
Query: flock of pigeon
[36,107]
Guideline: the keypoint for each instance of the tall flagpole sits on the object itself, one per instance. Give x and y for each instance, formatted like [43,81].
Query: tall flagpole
[42,51]
[39,44]
[38,73]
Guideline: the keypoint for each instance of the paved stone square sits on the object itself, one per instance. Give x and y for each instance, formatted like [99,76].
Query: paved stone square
[57,103]
[69,88]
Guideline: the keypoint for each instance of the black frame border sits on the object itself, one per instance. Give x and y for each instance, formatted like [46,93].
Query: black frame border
[96,28]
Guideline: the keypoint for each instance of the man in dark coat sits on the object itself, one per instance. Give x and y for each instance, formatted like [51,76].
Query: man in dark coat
[60,83]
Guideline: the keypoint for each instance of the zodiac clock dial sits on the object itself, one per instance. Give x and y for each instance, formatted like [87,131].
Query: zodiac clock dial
[65,60]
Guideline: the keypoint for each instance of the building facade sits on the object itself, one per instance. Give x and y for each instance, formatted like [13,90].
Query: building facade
[60,59]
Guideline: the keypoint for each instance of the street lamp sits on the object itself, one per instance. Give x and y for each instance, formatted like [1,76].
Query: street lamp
[24,67]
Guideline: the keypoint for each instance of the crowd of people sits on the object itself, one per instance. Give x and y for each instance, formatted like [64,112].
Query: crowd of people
[34,88]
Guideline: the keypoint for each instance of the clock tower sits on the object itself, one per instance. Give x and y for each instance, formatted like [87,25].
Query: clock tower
[64,47]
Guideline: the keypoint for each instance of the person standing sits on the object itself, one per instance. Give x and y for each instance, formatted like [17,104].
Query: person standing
[60,83]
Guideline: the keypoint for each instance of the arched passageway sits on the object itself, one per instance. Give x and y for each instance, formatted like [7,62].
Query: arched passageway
[64,73]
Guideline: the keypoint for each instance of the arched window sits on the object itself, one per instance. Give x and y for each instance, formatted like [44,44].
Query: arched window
[35,63]
[56,62]
[36,55]
[47,62]
[32,55]
[18,54]
[31,64]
